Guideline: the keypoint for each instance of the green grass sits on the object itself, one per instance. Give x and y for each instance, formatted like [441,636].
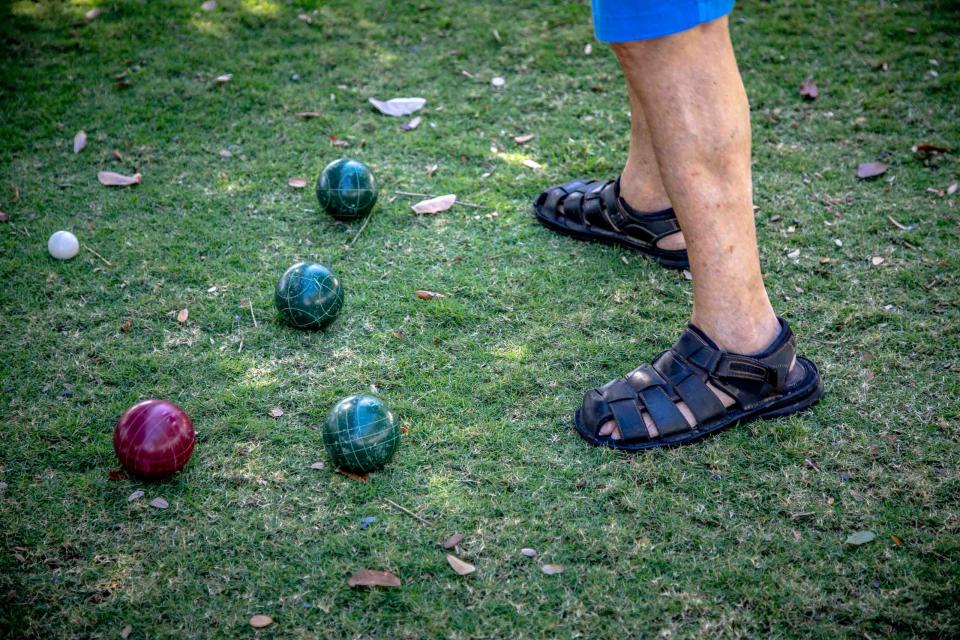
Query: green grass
[733,537]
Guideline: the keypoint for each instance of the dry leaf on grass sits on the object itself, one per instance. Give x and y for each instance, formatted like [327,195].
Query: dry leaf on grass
[136,495]
[929,148]
[432,169]
[413,124]
[897,541]
[368,578]
[125,632]
[952,189]
[159,503]
[305,17]
[276,412]
[588,49]
[116,474]
[116,155]
[309,114]
[79,141]
[498,82]
[337,142]
[861,537]
[793,255]
[4,217]
[532,164]
[461,567]
[423,294]
[111,179]
[871,170]
[452,541]
[183,315]
[530,553]
[223,79]
[809,90]
[297,183]
[92,15]
[435,205]
[525,138]
[260,621]
[398,107]
[318,466]
[209,5]
[877,261]
[552,569]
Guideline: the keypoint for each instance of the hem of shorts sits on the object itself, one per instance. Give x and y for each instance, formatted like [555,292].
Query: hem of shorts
[613,29]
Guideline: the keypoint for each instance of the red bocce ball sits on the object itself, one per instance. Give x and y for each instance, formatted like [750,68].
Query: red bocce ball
[153,438]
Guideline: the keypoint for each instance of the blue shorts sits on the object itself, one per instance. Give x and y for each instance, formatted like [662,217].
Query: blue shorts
[627,20]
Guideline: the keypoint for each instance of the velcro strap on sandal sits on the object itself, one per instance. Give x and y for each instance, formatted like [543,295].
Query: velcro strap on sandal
[622,400]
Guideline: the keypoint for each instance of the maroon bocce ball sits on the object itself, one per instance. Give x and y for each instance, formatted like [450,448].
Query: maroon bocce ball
[153,438]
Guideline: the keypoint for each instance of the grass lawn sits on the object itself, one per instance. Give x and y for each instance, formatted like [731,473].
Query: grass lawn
[742,535]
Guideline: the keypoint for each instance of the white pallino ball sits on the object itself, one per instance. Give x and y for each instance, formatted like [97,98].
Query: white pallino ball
[63,245]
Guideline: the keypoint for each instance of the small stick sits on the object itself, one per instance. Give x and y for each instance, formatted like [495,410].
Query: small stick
[427,195]
[105,261]
[408,512]
[241,346]
[251,314]
[362,227]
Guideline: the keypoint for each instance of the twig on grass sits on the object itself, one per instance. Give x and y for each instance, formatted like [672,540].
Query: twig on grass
[362,227]
[105,261]
[408,512]
[427,195]
[255,325]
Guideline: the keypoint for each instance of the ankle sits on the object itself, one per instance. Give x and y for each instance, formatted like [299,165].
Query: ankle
[643,191]
[740,334]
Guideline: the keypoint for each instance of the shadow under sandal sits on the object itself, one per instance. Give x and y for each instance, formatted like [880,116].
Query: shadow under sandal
[594,210]
[757,383]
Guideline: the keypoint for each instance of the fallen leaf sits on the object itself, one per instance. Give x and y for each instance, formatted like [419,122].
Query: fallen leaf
[116,155]
[125,632]
[838,242]
[432,169]
[552,569]
[423,294]
[876,261]
[398,107]
[532,164]
[952,189]
[498,82]
[260,621]
[136,495]
[687,274]
[159,503]
[793,255]
[897,541]
[226,153]
[871,170]
[309,114]
[813,465]
[337,142]
[929,148]
[116,474]
[276,412]
[359,477]
[79,141]
[587,50]
[92,15]
[902,227]
[413,124]
[111,179]
[525,138]
[223,79]
[435,205]
[318,465]
[123,84]
[809,90]
[830,501]
[530,553]
[4,217]
[368,578]
[209,5]
[861,537]
[824,260]
[305,17]
[297,183]
[183,315]
[462,568]
[452,541]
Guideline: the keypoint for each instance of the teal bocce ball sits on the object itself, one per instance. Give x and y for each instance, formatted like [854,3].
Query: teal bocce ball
[308,296]
[347,189]
[360,434]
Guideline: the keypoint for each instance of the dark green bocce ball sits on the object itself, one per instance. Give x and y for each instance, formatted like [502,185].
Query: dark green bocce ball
[308,296]
[360,434]
[347,189]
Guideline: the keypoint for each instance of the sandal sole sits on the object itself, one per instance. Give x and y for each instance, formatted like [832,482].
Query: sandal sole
[804,396]
[611,238]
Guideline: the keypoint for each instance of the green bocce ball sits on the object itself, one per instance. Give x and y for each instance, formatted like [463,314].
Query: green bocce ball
[360,434]
[347,189]
[308,296]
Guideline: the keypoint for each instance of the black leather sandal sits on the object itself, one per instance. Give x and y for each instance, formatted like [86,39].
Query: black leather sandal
[594,210]
[757,383]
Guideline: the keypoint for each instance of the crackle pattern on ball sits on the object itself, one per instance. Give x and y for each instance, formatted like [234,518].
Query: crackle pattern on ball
[361,434]
[308,296]
[347,189]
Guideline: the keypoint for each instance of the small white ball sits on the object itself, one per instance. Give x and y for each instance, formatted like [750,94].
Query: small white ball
[63,245]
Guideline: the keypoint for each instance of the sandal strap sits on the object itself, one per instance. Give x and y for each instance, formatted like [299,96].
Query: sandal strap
[622,400]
